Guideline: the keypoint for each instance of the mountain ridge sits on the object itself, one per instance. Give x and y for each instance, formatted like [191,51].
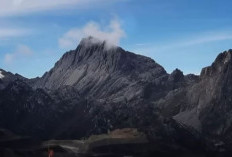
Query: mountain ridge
[94,89]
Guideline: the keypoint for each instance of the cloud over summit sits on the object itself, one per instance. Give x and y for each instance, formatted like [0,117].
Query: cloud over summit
[112,34]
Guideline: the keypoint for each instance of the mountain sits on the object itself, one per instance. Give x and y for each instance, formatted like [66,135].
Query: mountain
[97,88]
[101,72]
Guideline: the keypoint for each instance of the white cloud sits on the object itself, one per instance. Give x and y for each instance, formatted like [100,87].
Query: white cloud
[15,7]
[205,38]
[21,51]
[6,33]
[185,42]
[111,34]
[142,44]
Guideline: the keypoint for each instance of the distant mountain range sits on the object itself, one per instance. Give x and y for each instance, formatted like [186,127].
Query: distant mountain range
[95,89]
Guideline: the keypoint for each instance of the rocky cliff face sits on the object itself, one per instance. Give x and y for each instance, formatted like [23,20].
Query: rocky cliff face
[206,104]
[94,89]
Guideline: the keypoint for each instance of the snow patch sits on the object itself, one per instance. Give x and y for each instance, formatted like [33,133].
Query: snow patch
[1,75]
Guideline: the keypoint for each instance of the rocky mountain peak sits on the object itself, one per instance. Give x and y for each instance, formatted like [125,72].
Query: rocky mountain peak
[91,48]
[7,77]
[93,66]
[224,57]
[91,41]
[176,75]
[220,65]
[92,45]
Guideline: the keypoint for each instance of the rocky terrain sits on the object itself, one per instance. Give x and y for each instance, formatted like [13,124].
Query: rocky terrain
[95,89]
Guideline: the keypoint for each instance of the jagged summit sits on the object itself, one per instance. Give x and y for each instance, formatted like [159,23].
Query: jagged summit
[8,77]
[224,57]
[91,46]
[90,41]
[177,75]
[220,65]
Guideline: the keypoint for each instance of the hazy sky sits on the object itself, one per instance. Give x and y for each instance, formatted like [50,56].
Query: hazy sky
[184,34]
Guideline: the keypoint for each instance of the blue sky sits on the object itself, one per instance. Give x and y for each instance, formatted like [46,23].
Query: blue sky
[184,34]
